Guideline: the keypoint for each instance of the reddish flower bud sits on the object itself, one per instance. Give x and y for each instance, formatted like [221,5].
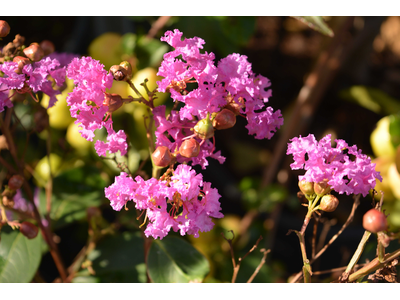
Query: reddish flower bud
[15,182]
[329,203]
[204,129]
[34,52]
[234,106]
[29,230]
[321,188]
[224,119]
[18,41]
[306,187]
[48,47]
[4,28]
[21,61]
[189,148]
[127,66]
[113,101]
[162,157]
[118,72]
[375,221]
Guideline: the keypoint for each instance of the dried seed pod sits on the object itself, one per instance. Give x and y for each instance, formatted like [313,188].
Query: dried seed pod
[15,182]
[29,230]
[329,203]
[48,47]
[375,221]
[204,128]
[224,119]
[321,188]
[119,72]
[189,148]
[113,101]
[4,28]
[306,187]
[34,52]
[162,157]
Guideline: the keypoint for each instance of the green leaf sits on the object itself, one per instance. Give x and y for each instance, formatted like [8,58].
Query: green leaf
[149,52]
[317,23]
[19,256]
[175,260]
[371,98]
[128,43]
[73,192]
[394,129]
[118,258]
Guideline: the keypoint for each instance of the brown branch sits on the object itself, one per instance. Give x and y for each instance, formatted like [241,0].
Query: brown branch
[157,26]
[265,252]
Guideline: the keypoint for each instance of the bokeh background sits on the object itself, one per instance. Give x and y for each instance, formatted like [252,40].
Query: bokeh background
[343,85]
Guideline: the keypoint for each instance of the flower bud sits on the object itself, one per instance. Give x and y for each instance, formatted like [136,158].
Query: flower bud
[189,148]
[127,66]
[306,187]
[29,230]
[48,47]
[204,129]
[4,28]
[234,106]
[375,221]
[224,119]
[162,157]
[21,61]
[321,188]
[113,101]
[329,203]
[119,73]
[18,41]
[15,182]
[34,52]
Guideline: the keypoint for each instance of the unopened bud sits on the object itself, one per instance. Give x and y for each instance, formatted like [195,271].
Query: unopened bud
[21,61]
[189,148]
[375,221]
[224,119]
[34,52]
[4,28]
[15,182]
[29,230]
[306,187]
[329,203]
[321,188]
[204,129]
[235,106]
[18,41]
[162,157]
[113,101]
[118,72]
[48,47]
[127,66]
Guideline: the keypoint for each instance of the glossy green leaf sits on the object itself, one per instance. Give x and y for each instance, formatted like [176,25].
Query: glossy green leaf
[19,256]
[174,260]
[394,130]
[317,23]
[118,258]
[73,192]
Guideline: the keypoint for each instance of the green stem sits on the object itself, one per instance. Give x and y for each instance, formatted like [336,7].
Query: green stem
[306,267]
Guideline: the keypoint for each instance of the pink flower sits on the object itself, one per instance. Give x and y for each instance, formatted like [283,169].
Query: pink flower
[350,173]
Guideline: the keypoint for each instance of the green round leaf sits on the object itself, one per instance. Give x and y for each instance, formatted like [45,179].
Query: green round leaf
[175,260]
[19,256]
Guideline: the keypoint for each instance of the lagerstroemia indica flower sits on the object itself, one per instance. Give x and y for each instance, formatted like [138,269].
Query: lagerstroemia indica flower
[86,104]
[182,202]
[346,168]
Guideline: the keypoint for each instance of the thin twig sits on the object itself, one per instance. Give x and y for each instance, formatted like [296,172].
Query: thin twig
[265,252]
[157,26]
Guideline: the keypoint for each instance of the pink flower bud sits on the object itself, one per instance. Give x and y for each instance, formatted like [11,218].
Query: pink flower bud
[162,157]
[34,52]
[224,119]
[15,182]
[4,28]
[189,148]
[113,101]
[321,188]
[375,221]
[29,230]
[329,203]
[306,187]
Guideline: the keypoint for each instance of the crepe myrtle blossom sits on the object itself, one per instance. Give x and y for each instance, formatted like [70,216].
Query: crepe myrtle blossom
[345,168]
[229,84]
[87,104]
[181,201]
[32,77]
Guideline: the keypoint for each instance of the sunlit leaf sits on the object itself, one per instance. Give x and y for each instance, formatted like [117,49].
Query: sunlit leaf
[175,260]
[317,23]
[19,256]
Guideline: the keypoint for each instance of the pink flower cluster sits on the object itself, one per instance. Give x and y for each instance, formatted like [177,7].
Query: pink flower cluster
[86,104]
[230,82]
[182,202]
[346,168]
[33,78]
